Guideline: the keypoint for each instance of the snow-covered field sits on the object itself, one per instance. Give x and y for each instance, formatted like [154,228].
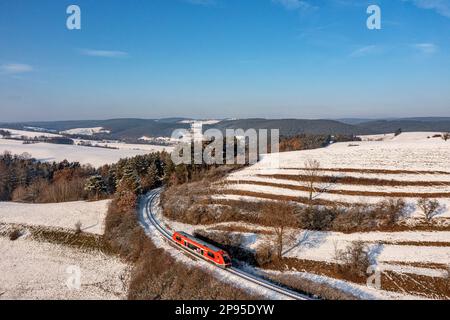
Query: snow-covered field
[32,269]
[409,158]
[417,160]
[59,215]
[35,270]
[86,131]
[29,134]
[85,155]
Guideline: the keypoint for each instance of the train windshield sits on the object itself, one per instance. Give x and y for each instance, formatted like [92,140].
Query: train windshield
[226,259]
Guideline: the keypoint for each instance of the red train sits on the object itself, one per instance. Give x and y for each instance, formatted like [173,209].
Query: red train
[202,249]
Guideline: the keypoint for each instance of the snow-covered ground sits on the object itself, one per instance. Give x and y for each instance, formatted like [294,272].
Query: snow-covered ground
[135,147]
[32,269]
[29,134]
[35,270]
[86,131]
[384,247]
[85,155]
[409,158]
[410,151]
[60,215]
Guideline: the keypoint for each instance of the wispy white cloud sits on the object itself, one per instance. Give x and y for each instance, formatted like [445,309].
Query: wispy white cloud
[426,48]
[365,51]
[440,6]
[295,5]
[15,68]
[103,53]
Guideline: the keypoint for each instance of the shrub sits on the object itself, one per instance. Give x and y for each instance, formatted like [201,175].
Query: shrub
[446,136]
[353,261]
[78,226]
[316,218]
[389,212]
[15,234]
[126,200]
[265,254]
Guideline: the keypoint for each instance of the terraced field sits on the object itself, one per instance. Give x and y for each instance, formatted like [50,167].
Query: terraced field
[410,166]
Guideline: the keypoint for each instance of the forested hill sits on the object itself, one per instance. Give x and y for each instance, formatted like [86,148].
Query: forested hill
[133,128]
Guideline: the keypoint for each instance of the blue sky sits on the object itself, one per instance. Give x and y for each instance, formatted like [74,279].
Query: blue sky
[223,58]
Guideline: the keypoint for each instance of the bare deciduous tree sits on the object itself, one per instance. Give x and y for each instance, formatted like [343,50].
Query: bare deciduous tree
[279,216]
[429,208]
[446,136]
[312,174]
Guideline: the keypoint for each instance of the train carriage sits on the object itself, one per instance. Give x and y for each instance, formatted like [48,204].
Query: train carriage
[204,250]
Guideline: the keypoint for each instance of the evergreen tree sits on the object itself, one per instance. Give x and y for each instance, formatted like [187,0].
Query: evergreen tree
[152,177]
[95,184]
[130,180]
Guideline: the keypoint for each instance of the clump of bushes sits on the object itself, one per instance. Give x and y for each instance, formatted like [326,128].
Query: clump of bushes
[446,136]
[192,203]
[353,261]
[15,234]
[265,254]
[384,215]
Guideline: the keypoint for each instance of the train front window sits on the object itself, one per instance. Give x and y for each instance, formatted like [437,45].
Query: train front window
[226,259]
[211,255]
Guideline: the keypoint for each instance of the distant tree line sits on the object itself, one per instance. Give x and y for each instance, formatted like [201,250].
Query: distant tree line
[312,141]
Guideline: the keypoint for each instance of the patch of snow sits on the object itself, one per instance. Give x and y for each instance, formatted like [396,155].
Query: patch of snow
[97,157]
[36,270]
[357,290]
[29,134]
[86,131]
[62,215]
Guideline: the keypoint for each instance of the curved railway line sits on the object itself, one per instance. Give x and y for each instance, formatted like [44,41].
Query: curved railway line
[149,215]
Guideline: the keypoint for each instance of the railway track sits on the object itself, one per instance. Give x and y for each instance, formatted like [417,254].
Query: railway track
[150,218]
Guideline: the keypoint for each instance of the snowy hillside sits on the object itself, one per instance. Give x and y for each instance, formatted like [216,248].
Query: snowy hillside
[86,131]
[29,134]
[408,166]
[85,155]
